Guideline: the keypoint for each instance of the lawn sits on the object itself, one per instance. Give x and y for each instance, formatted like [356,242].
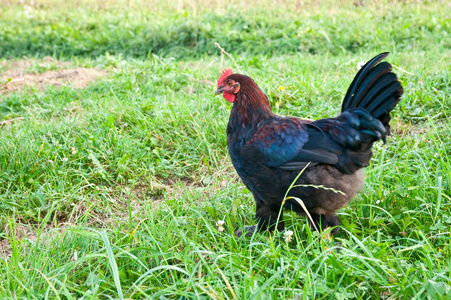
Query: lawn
[114,167]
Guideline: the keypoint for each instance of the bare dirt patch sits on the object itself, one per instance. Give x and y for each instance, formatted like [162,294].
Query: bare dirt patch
[20,231]
[5,249]
[144,197]
[43,73]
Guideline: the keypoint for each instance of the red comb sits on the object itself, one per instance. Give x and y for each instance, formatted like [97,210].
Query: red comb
[225,73]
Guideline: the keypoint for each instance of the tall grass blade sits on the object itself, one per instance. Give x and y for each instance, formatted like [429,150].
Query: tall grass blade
[113,265]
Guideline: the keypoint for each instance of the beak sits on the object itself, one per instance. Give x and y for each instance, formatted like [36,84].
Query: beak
[219,90]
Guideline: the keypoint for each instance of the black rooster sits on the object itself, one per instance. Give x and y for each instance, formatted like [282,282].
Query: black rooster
[269,151]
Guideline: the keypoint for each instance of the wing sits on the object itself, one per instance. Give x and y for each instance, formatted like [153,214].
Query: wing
[290,144]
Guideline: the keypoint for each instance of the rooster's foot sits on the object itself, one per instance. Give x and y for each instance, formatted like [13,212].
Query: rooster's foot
[247,231]
[327,236]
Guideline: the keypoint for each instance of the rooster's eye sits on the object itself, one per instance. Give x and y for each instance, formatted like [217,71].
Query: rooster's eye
[229,83]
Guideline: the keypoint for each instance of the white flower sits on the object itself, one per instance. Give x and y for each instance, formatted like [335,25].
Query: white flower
[378,201]
[220,223]
[360,65]
[288,235]
[75,257]
[65,159]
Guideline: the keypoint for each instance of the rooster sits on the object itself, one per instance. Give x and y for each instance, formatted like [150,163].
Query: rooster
[292,162]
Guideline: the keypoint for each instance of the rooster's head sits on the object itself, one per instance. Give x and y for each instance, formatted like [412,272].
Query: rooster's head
[227,86]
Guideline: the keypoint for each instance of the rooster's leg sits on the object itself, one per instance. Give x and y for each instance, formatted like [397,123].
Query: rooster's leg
[248,231]
[322,222]
[267,218]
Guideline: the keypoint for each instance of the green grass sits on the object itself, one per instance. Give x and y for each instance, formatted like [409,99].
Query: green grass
[114,191]
[137,30]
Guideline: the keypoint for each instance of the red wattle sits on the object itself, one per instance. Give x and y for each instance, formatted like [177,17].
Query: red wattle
[229,97]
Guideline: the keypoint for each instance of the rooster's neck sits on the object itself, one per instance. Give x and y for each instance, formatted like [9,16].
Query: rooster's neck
[250,107]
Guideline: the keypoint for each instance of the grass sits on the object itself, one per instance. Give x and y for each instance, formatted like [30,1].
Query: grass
[114,191]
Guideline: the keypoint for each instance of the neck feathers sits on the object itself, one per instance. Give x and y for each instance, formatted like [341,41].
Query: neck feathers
[251,103]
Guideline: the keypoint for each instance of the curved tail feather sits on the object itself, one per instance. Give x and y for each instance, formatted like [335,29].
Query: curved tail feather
[375,88]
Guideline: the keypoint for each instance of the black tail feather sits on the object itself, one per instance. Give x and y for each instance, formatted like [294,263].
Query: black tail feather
[384,87]
[372,77]
[375,88]
[382,99]
[347,101]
